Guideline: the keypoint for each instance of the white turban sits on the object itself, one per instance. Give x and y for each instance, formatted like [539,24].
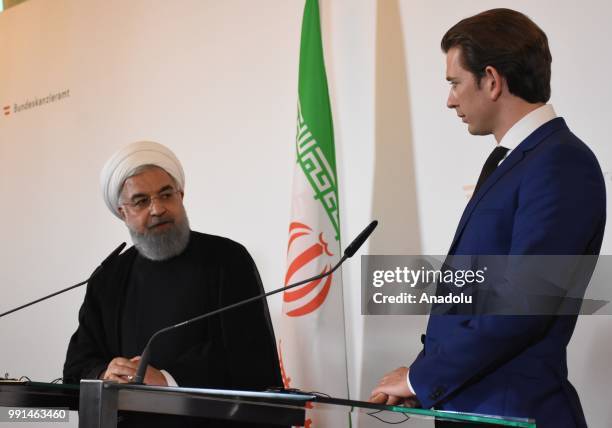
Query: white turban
[123,163]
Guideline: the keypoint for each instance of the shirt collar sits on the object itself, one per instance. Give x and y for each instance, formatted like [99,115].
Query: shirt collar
[525,126]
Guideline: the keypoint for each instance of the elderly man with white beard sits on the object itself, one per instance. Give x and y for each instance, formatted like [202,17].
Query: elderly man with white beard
[170,275]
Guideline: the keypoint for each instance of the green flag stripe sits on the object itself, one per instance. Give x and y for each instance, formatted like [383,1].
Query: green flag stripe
[315,135]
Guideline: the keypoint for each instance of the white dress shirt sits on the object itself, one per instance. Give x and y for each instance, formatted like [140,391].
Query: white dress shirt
[169,379]
[525,126]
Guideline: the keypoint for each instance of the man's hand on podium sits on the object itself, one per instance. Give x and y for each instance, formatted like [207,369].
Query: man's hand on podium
[393,390]
[123,370]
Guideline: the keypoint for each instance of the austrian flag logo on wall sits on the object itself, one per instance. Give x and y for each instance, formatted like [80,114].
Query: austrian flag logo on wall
[35,102]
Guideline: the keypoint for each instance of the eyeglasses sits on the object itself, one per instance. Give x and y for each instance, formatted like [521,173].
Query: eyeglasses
[144,202]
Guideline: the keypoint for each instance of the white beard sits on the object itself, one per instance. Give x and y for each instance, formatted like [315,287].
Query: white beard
[163,245]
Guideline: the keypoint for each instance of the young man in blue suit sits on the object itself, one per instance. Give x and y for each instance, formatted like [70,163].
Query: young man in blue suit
[541,192]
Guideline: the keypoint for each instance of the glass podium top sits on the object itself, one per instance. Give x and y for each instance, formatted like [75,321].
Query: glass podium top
[148,399]
[400,414]
[320,403]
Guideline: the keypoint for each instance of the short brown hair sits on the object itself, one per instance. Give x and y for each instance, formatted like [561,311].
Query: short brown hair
[510,42]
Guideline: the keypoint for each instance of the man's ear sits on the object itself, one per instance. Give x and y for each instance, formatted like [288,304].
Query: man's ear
[493,82]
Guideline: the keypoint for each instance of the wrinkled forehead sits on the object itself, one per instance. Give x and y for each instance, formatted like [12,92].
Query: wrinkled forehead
[147,180]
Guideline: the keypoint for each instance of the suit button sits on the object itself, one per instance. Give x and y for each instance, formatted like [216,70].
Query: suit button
[423,337]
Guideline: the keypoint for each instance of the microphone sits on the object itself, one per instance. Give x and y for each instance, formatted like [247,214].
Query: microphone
[348,253]
[361,238]
[110,257]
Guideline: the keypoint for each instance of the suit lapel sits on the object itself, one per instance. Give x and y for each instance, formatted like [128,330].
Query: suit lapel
[510,162]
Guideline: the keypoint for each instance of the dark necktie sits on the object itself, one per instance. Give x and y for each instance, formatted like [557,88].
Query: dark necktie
[492,161]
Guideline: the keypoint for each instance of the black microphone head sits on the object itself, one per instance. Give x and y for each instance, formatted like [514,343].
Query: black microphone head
[361,238]
[114,254]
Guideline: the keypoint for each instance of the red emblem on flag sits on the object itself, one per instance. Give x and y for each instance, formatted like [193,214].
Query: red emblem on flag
[310,293]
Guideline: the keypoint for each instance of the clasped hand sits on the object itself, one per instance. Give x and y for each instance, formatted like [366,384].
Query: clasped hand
[123,370]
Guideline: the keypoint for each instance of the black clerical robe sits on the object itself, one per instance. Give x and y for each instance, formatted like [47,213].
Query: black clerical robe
[132,297]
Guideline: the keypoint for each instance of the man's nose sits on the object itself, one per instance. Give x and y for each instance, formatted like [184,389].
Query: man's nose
[451,102]
[156,208]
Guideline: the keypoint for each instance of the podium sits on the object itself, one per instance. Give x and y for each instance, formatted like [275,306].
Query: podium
[39,395]
[99,401]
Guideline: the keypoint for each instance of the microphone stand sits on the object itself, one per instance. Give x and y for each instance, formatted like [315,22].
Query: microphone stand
[110,257]
[348,252]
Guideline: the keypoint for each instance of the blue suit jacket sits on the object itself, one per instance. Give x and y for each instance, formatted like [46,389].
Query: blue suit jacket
[546,197]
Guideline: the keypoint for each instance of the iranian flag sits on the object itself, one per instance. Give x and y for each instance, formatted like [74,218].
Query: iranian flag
[311,343]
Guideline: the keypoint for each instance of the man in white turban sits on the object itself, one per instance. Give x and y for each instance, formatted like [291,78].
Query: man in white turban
[170,275]
[135,162]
